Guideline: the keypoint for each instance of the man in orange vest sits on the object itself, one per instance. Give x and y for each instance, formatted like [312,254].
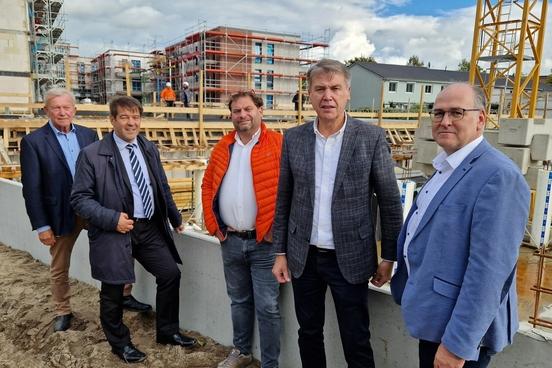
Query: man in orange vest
[239,197]
[168,95]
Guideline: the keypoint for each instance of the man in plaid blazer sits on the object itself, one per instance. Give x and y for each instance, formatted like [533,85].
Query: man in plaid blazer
[324,224]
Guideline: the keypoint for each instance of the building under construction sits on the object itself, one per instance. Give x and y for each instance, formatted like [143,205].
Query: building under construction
[234,59]
[48,52]
[114,69]
[33,56]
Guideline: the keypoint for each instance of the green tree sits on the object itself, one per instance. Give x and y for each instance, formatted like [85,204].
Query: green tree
[414,60]
[464,65]
[360,59]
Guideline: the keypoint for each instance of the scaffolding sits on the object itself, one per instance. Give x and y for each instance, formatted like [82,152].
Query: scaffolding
[119,72]
[508,41]
[47,51]
[234,59]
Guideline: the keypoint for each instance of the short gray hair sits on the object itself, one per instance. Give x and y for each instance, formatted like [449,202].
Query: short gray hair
[57,92]
[479,100]
[329,66]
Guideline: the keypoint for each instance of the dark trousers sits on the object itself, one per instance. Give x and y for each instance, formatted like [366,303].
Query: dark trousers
[428,349]
[150,249]
[351,304]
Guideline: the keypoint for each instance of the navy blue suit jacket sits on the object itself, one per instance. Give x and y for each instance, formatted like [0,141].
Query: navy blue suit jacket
[47,180]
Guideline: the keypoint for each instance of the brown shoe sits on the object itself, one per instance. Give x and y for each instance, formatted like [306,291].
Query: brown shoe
[236,360]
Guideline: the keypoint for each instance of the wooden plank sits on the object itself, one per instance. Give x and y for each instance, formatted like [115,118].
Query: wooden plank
[13,94]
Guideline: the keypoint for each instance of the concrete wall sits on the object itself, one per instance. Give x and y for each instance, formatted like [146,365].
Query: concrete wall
[204,305]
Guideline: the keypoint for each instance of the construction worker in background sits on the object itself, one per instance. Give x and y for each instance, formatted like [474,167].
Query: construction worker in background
[167,95]
[185,97]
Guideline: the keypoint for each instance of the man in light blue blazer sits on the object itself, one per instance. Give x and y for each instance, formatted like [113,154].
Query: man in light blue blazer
[458,248]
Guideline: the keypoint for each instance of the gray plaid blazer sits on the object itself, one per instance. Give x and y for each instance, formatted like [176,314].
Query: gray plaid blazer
[365,167]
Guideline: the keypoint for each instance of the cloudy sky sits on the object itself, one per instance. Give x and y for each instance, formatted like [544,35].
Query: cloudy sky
[439,32]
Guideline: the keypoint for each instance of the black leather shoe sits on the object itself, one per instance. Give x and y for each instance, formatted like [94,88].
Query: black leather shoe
[177,339]
[62,323]
[131,304]
[129,354]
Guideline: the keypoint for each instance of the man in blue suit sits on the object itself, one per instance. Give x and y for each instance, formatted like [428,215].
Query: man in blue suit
[458,248]
[48,157]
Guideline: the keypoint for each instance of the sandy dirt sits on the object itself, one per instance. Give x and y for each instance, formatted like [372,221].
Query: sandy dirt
[27,339]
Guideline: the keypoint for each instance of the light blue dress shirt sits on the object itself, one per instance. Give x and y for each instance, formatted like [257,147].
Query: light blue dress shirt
[69,145]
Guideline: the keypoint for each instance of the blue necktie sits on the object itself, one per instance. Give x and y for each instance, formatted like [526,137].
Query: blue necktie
[140,181]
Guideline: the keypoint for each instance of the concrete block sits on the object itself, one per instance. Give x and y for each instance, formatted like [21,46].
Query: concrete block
[520,132]
[425,151]
[514,131]
[520,155]
[531,176]
[541,147]
[424,130]
[491,135]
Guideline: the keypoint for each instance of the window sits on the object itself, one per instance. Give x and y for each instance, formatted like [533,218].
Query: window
[258,51]
[269,79]
[270,52]
[258,79]
[410,87]
[269,101]
[392,86]
[136,86]
[428,88]
[136,64]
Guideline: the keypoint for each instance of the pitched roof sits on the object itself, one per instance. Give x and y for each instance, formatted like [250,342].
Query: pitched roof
[415,73]
[544,85]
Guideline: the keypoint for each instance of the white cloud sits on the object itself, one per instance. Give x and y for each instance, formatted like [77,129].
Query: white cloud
[356,26]
[350,41]
[141,17]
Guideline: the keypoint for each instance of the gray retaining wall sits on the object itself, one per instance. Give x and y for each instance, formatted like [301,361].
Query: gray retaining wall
[205,307]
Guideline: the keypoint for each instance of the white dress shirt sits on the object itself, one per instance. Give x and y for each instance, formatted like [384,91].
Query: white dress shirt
[326,157]
[237,201]
[444,165]
[125,155]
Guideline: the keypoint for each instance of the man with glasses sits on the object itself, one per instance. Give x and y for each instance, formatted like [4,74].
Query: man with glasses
[458,249]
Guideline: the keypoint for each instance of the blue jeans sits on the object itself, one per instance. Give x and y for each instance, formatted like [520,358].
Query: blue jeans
[252,288]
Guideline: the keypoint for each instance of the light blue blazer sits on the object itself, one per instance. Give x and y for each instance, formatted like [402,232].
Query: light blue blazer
[461,290]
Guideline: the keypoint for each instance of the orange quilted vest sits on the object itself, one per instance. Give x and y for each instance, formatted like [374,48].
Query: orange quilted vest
[265,164]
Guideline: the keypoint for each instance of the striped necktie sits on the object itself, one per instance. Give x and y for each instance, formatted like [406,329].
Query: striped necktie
[140,181]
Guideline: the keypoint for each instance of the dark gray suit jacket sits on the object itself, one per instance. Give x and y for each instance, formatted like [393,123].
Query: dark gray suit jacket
[365,167]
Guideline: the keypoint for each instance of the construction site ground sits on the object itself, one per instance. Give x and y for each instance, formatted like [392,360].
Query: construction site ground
[26,327]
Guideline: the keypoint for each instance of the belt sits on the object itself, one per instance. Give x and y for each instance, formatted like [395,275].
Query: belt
[322,250]
[141,219]
[244,234]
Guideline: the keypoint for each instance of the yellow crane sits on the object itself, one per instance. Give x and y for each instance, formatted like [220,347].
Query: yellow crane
[508,41]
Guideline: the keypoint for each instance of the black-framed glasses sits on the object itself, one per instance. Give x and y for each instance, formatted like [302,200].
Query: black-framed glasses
[455,114]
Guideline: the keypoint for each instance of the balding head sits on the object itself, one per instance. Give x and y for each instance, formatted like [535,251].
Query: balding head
[462,109]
